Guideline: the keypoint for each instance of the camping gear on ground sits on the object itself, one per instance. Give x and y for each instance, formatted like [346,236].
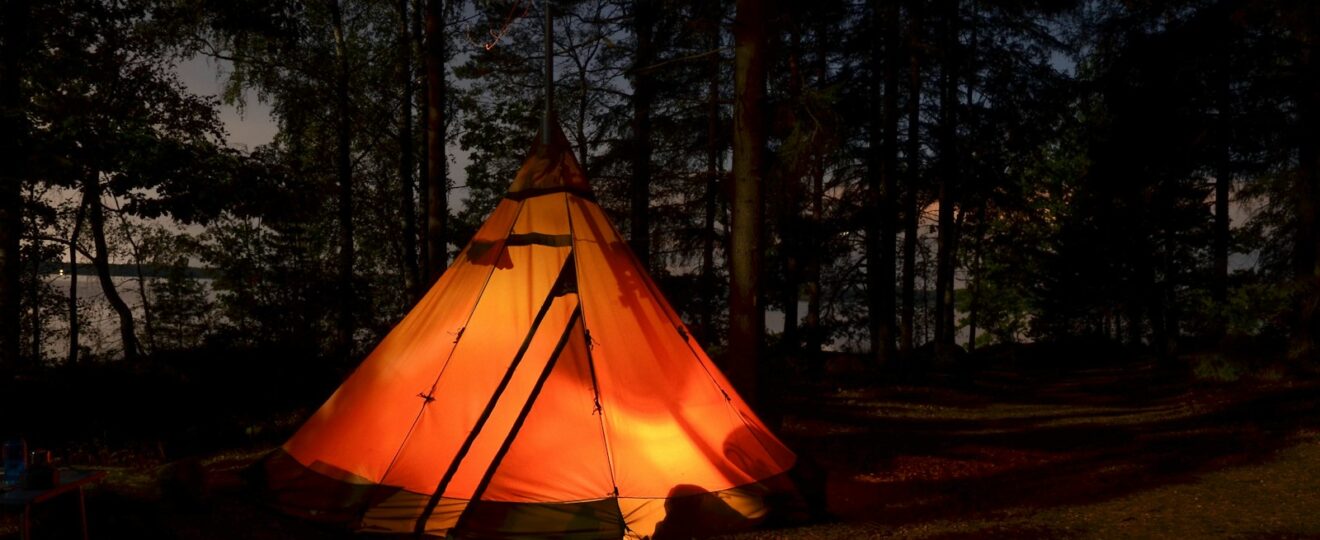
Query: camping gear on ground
[542,387]
[22,501]
[15,460]
[41,472]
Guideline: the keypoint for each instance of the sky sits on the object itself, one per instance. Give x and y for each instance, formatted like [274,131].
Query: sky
[249,128]
[253,126]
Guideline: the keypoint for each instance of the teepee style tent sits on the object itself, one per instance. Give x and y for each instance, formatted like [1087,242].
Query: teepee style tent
[543,387]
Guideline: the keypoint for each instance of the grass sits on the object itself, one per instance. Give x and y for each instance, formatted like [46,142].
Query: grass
[1109,452]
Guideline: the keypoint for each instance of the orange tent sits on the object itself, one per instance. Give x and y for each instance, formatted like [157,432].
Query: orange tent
[543,387]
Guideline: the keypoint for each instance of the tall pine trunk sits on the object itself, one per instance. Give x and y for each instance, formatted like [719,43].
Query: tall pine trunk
[714,152]
[344,173]
[876,261]
[101,261]
[911,212]
[12,177]
[437,166]
[974,276]
[788,214]
[422,95]
[1306,191]
[639,190]
[811,279]
[946,242]
[1223,184]
[746,310]
[407,205]
[889,185]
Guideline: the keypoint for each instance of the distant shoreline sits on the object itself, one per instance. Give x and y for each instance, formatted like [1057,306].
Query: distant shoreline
[129,270]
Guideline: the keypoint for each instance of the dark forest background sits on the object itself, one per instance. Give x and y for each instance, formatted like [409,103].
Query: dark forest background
[906,181]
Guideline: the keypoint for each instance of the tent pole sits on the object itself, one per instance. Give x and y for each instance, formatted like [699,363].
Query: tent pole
[549,74]
[567,278]
[550,364]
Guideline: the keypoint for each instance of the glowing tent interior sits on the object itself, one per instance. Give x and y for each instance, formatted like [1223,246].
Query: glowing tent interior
[543,387]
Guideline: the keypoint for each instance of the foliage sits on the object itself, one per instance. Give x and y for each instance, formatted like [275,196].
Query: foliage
[1085,141]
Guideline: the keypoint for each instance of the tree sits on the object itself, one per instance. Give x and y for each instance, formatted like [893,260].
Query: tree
[341,154]
[713,23]
[73,321]
[1306,183]
[112,122]
[911,211]
[344,172]
[639,230]
[92,195]
[13,49]
[407,204]
[437,164]
[883,181]
[746,311]
[946,247]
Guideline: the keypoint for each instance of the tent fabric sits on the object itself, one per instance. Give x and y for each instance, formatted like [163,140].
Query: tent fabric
[542,387]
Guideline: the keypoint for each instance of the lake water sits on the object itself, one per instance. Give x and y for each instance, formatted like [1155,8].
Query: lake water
[100,325]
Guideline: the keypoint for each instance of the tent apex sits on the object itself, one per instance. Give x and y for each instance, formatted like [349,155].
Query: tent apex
[550,167]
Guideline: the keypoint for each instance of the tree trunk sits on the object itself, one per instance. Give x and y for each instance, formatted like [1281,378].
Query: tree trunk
[1134,327]
[344,169]
[787,210]
[639,190]
[746,311]
[911,212]
[424,172]
[34,291]
[407,205]
[148,323]
[974,277]
[34,302]
[946,243]
[714,153]
[971,322]
[1306,190]
[149,343]
[1223,183]
[73,282]
[1169,292]
[874,250]
[583,154]
[890,170]
[437,166]
[12,178]
[811,281]
[101,261]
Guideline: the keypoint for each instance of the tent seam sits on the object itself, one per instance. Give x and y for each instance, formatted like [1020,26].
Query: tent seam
[466,320]
[677,324]
[591,365]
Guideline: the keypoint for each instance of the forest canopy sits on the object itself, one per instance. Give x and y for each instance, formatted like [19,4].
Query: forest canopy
[921,176]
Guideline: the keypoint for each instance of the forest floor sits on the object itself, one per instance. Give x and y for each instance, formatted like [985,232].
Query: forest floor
[1108,452]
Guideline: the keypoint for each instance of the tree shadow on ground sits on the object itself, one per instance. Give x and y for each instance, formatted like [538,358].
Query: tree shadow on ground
[1032,440]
